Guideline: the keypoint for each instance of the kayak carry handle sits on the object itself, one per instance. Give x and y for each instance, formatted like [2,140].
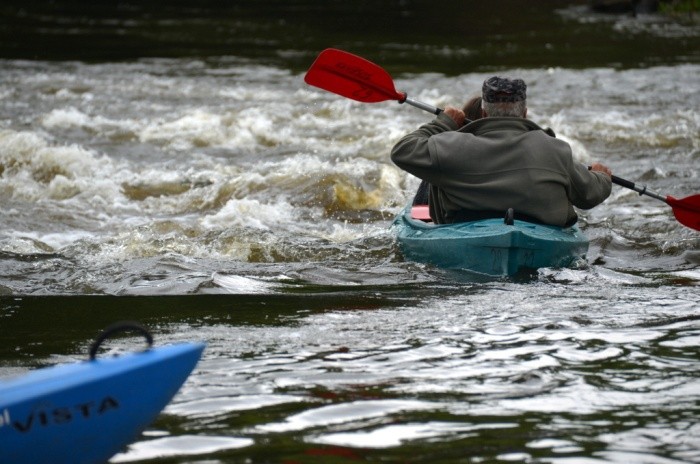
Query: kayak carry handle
[122,326]
[509,219]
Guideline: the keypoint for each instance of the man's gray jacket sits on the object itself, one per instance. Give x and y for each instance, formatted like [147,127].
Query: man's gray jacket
[493,164]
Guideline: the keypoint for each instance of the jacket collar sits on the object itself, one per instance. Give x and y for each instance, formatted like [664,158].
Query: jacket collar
[485,125]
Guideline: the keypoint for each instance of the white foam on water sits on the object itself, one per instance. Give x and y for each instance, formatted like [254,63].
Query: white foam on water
[192,129]
[247,213]
[54,241]
[35,169]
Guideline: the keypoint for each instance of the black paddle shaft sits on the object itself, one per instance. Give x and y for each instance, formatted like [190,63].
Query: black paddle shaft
[641,190]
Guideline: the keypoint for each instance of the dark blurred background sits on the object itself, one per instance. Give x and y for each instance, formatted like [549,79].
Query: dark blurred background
[447,36]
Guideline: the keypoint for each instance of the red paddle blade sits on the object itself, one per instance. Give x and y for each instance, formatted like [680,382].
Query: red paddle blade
[351,76]
[686,210]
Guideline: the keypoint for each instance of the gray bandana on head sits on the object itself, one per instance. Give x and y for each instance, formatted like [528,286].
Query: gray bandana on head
[501,89]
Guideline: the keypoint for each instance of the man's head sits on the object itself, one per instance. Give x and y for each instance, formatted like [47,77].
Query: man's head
[504,97]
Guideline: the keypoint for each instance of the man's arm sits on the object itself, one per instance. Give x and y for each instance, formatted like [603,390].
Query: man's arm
[411,153]
[590,188]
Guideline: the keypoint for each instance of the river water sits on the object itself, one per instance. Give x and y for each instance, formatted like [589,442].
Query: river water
[213,196]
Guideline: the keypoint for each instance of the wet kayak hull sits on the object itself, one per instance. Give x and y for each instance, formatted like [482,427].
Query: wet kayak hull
[489,246]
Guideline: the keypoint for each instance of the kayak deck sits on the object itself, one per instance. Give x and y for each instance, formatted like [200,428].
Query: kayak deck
[489,246]
[86,412]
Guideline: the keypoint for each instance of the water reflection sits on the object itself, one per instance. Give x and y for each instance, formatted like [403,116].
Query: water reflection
[183,445]
[488,372]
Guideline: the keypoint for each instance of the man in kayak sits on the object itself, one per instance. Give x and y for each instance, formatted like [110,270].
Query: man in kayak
[498,162]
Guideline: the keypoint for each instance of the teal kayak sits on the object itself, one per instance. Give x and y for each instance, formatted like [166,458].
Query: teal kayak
[86,412]
[488,246]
